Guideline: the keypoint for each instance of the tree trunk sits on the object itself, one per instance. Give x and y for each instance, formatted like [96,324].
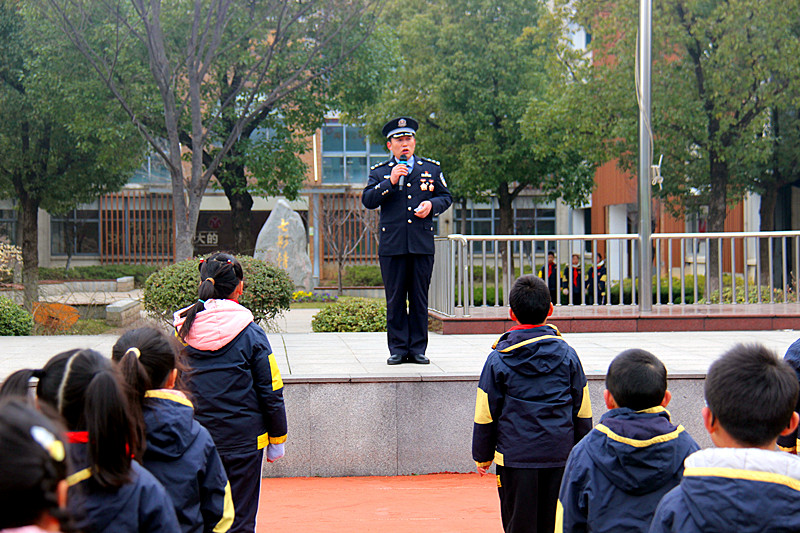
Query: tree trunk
[463,221]
[717,210]
[234,182]
[340,276]
[769,199]
[29,212]
[242,214]
[504,201]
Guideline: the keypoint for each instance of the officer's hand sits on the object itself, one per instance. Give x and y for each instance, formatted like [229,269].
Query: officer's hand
[397,171]
[423,209]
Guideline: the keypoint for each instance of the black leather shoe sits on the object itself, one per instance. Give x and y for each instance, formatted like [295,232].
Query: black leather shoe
[395,359]
[418,358]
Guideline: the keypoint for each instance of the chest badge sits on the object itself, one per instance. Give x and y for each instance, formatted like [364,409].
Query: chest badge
[423,185]
[426,174]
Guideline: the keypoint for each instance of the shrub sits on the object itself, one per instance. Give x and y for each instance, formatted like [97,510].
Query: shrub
[10,258]
[139,272]
[351,314]
[778,295]
[14,320]
[688,293]
[302,296]
[267,289]
[363,276]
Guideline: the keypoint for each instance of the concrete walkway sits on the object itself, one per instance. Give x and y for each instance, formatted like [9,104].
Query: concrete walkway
[302,354]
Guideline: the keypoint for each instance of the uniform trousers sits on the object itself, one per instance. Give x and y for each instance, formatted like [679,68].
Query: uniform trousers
[244,475]
[406,278]
[528,498]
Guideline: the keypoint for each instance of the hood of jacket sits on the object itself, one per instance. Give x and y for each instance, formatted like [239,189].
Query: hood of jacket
[793,357]
[748,489]
[216,326]
[532,350]
[638,451]
[171,429]
[97,509]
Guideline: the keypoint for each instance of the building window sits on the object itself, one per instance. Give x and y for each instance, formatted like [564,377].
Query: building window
[531,217]
[77,233]
[153,173]
[697,222]
[347,154]
[8,226]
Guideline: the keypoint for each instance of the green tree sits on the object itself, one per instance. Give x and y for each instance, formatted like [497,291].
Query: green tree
[266,158]
[719,68]
[469,71]
[212,69]
[62,141]
[781,169]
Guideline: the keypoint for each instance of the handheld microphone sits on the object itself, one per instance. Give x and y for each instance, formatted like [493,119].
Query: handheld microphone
[404,160]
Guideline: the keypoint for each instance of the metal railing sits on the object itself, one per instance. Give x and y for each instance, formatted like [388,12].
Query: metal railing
[473,271]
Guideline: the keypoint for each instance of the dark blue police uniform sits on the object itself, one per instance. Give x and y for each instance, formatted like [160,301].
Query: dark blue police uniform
[406,247]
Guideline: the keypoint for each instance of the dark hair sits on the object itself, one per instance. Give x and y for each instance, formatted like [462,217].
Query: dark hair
[32,463]
[530,299]
[86,390]
[551,252]
[220,274]
[752,393]
[637,380]
[146,357]
[18,384]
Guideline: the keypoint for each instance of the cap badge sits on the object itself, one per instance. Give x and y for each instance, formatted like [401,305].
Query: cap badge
[401,123]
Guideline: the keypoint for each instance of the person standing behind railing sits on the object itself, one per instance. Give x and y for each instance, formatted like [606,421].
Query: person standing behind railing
[572,276]
[601,282]
[551,277]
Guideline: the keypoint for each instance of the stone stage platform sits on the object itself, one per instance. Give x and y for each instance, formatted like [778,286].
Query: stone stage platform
[628,318]
[350,414]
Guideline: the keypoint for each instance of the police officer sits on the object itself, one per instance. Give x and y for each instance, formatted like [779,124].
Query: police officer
[410,190]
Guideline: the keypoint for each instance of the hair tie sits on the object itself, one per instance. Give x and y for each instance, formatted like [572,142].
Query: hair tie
[135,351]
[211,280]
[48,441]
[201,301]
[38,373]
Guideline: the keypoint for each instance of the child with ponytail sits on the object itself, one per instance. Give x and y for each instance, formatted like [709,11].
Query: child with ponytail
[108,492]
[33,471]
[179,451]
[234,381]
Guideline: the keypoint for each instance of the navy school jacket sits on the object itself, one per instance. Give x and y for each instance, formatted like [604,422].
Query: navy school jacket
[618,473]
[182,456]
[532,404]
[742,490]
[140,505]
[402,232]
[788,443]
[234,380]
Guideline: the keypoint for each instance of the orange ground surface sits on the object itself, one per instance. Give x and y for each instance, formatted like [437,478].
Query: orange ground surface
[434,503]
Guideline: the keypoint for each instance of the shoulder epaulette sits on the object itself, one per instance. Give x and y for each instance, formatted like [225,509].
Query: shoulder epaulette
[373,167]
[429,160]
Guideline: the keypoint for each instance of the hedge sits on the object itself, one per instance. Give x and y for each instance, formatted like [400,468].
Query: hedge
[351,314]
[14,320]
[267,289]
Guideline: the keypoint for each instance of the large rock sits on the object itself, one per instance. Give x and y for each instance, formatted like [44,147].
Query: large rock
[282,241]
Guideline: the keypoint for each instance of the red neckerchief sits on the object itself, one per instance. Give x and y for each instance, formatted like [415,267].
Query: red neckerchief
[82,437]
[575,273]
[78,437]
